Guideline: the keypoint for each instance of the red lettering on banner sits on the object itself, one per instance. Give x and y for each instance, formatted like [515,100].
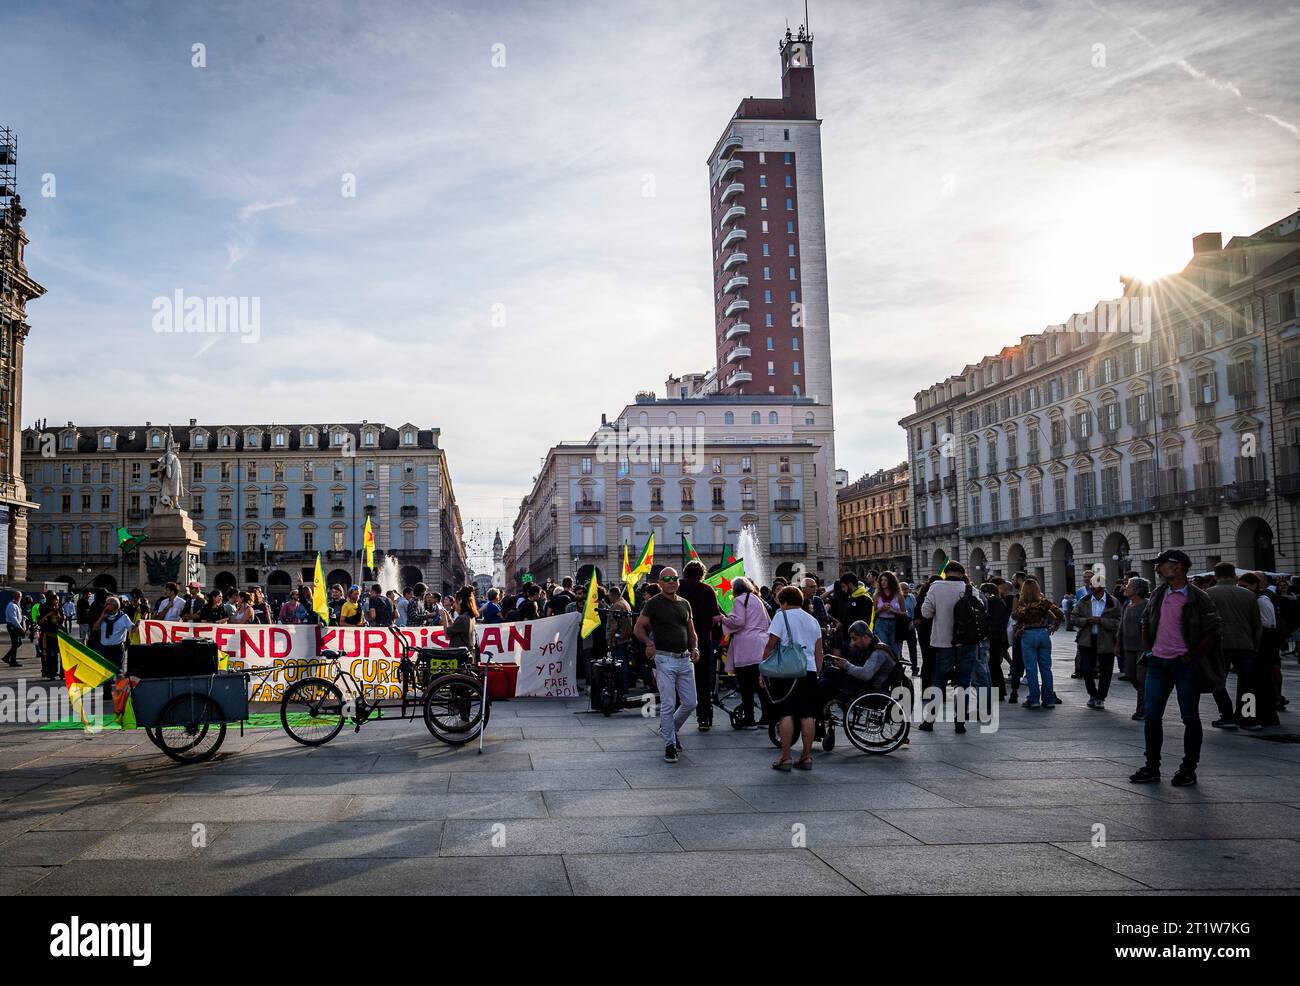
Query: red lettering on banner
[521,635]
[328,641]
[222,636]
[491,639]
[281,642]
[377,640]
[253,642]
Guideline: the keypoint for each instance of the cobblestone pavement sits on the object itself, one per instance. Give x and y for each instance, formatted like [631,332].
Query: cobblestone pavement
[562,801]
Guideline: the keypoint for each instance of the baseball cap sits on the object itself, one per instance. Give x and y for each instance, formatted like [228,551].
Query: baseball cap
[1175,556]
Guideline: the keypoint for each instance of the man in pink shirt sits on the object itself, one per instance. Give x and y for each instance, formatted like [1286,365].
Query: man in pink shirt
[1181,627]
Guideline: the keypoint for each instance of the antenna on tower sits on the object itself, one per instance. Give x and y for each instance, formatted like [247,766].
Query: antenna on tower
[807,24]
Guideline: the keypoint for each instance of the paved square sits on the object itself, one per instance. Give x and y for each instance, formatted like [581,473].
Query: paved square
[562,801]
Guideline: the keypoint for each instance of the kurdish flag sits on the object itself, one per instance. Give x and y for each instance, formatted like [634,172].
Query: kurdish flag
[83,672]
[689,553]
[647,559]
[726,559]
[368,544]
[721,581]
[590,618]
[628,579]
[319,601]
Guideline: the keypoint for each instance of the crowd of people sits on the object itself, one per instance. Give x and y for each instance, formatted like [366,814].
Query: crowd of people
[1180,638]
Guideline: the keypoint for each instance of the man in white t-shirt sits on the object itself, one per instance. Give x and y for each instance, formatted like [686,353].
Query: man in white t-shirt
[795,698]
[171,605]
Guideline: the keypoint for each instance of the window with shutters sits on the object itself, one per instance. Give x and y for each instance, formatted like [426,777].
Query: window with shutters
[1012,443]
[1250,468]
[995,506]
[1083,424]
[1110,491]
[1110,417]
[1108,370]
[1031,398]
[1085,490]
[1240,377]
[1206,472]
[975,517]
[1291,363]
[1206,388]
[991,455]
[1036,498]
[1058,493]
[1142,477]
[1167,397]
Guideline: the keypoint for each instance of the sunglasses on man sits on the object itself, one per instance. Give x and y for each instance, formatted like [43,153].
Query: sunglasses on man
[668,578]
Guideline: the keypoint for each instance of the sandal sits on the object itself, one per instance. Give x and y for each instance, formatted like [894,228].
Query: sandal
[803,765]
[782,765]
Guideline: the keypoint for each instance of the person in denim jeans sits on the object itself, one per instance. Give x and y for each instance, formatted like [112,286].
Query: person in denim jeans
[1036,620]
[667,629]
[950,656]
[1181,628]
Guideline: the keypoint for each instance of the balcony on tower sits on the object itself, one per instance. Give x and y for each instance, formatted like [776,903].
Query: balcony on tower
[734,259]
[731,215]
[739,376]
[732,190]
[735,284]
[730,168]
[739,305]
[735,236]
[739,329]
[733,143]
[738,352]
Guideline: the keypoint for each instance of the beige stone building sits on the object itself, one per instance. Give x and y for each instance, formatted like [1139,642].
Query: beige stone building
[875,523]
[715,465]
[1166,418]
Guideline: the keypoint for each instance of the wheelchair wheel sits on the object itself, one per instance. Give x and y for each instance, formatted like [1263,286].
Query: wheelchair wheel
[454,708]
[876,723]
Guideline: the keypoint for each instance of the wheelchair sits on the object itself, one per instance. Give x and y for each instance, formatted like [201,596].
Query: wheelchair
[876,721]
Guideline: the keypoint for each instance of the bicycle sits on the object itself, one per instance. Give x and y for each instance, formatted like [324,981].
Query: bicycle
[449,692]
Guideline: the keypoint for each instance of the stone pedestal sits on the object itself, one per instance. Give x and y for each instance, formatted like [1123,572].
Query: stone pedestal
[172,553]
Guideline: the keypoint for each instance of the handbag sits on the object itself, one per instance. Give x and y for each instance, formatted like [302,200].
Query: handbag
[787,661]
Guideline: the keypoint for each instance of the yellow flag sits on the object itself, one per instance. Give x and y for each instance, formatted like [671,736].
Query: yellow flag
[647,559]
[590,618]
[629,579]
[84,670]
[319,601]
[368,542]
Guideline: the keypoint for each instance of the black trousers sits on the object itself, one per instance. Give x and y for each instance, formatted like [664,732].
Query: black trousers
[706,671]
[15,638]
[1096,669]
[747,684]
[998,654]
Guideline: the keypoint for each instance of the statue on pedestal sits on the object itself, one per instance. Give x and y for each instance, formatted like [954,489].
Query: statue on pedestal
[170,481]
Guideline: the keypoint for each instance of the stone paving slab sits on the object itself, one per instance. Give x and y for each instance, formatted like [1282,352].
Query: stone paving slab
[986,869]
[975,826]
[809,829]
[470,781]
[554,836]
[792,873]
[841,797]
[403,807]
[664,801]
[245,842]
[1224,864]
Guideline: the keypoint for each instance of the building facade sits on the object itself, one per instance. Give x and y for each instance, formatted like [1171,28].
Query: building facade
[1166,418]
[708,468]
[875,523]
[771,305]
[265,499]
[16,289]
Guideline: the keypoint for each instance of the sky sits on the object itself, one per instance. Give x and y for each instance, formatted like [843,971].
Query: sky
[493,218]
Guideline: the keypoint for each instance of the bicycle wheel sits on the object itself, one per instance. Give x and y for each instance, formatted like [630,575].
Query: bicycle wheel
[453,708]
[184,735]
[876,723]
[312,711]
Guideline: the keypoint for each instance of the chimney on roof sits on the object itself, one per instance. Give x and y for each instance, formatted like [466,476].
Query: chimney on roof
[602,418]
[1207,243]
[193,422]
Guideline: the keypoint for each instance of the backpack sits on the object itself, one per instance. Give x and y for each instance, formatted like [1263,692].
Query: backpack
[970,621]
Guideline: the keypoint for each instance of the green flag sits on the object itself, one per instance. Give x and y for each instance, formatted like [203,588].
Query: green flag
[128,542]
[688,551]
[721,581]
[726,559]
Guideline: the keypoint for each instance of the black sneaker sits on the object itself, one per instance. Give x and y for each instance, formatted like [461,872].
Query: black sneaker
[961,728]
[704,727]
[1147,775]
[679,746]
[1185,777]
[1224,723]
[927,727]
[1015,698]
[670,754]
